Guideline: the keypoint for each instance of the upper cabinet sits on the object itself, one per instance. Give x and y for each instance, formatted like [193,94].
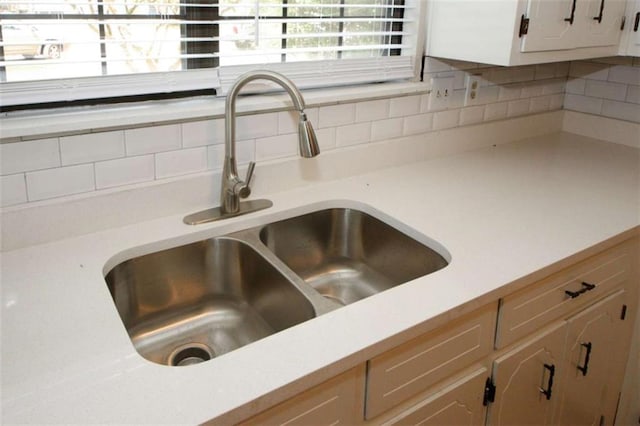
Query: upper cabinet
[519,32]
[630,43]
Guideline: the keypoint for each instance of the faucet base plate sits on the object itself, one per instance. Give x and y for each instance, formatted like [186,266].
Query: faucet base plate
[215,213]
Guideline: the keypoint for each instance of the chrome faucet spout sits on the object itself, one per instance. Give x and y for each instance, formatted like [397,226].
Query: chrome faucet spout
[233,188]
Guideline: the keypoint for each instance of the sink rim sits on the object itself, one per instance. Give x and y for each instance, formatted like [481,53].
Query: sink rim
[247,231]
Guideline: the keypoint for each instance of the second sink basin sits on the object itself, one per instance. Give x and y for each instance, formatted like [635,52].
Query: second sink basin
[191,303]
[347,255]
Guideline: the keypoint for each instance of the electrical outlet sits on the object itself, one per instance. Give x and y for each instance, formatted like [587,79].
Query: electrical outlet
[472,89]
[441,93]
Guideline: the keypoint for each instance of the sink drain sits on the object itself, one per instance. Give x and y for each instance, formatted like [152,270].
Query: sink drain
[191,353]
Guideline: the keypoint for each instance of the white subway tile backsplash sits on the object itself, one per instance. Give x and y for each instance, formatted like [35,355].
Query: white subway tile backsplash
[326,138]
[401,107]
[13,190]
[605,90]
[372,110]
[353,134]
[60,182]
[583,104]
[471,115]
[496,111]
[576,86]
[633,94]
[562,69]
[603,87]
[556,102]
[91,147]
[277,147]
[518,108]
[149,140]
[621,110]
[215,156]
[589,70]
[416,124]
[539,104]
[256,126]
[625,74]
[125,171]
[489,94]
[201,133]
[181,162]
[28,156]
[245,152]
[337,115]
[530,90]
[446,119]
[553,87]
[544,71]
[386,129]
[521,74]
[510,92]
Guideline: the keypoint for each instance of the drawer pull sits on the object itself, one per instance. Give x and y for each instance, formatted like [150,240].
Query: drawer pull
[585,288]
[584,368]
[552,372]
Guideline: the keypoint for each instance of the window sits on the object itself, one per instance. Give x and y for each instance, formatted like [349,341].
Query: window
[56,50]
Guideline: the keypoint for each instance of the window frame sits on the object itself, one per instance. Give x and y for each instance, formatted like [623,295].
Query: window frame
[27,94]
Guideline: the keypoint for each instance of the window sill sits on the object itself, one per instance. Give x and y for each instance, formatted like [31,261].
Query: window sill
[29,125]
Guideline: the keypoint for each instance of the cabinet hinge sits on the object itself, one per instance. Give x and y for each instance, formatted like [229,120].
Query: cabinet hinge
[489,392]
[524,26]
[623,314]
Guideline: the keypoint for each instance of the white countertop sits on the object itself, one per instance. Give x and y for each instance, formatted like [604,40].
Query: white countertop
[501,213]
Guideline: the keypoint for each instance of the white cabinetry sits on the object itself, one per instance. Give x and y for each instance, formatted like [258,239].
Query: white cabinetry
[507,32]
[525,379]
[630,43]
[561,346]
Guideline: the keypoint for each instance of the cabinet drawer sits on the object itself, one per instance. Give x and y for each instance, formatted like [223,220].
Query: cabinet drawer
[560,294]
[338,400]
[419,363]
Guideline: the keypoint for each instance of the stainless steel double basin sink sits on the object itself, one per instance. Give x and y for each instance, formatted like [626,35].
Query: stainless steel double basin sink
[189,304]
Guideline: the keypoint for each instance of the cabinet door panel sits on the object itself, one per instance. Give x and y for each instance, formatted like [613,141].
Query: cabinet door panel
[339,400]
[459,404]
[520,376]
[596,357]
[548,29]
[633,47]
[601,29]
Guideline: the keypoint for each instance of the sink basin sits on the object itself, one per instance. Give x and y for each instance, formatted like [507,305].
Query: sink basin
[347,255]
[194,302]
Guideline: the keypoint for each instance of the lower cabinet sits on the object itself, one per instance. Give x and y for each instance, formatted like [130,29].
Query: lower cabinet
[526,380]
[597,342]
[553,353]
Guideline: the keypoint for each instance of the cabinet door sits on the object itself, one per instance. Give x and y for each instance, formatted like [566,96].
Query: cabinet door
[599,23]
[548,29]
[597,347]
[337,401]
[457,404]
[633,23]
[526,380]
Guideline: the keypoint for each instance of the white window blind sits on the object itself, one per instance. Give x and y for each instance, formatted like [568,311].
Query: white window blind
[61,50]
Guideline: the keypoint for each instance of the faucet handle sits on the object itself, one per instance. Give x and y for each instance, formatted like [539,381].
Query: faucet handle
[245,189]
